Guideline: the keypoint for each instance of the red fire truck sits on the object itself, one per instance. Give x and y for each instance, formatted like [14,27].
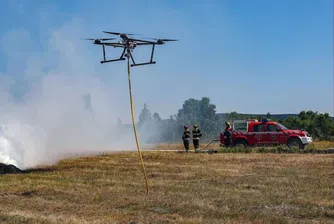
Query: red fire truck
[252,132]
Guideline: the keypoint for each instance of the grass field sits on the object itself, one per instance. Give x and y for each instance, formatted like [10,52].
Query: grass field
[184,188]
[321,144]
[317,145]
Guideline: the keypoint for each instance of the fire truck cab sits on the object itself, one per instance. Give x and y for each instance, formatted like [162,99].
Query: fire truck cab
[252,132]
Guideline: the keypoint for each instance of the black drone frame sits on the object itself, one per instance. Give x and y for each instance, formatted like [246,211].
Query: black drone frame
[126,53]
[128,44]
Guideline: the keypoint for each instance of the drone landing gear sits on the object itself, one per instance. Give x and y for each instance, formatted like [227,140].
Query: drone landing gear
[106,61]
[145,63]
[128,55]
[121,58]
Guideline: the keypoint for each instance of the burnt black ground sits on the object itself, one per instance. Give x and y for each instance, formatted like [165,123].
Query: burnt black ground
[11,169]
[7,169]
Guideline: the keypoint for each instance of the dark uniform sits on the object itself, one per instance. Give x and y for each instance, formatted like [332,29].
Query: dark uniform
[196,136]
[186,137]
[227,134]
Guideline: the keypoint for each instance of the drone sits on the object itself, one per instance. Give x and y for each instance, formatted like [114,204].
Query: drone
[128,43]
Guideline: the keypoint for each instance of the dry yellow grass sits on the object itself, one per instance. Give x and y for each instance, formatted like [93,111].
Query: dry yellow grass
[184,188]
[321,145]
[179,146]
[314,145]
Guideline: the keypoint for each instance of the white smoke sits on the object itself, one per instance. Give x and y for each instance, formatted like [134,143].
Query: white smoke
[55,117]
[9,153]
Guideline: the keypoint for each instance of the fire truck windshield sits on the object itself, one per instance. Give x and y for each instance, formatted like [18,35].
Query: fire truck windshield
[281,126]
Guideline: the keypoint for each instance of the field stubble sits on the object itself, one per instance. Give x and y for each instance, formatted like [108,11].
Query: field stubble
[184,188]
[317,145]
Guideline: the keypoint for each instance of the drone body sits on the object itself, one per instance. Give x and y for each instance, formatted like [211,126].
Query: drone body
[128,44]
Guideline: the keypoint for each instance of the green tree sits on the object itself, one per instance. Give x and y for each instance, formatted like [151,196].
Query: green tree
[201,112]
[193,110]
[268,115]
[319,126]
[156,117]
[302,115]
[233,116]
[145,115]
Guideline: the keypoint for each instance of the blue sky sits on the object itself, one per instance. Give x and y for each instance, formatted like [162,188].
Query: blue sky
[247,56]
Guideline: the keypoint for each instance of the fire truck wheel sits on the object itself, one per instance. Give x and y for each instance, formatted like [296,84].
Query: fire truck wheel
[240,142]
[295,142]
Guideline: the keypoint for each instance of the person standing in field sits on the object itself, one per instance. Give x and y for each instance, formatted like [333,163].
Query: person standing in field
[196,136]
[186,137]
[227,134]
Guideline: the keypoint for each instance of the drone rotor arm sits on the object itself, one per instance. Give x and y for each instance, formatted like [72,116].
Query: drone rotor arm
[114,44]
[143,44]
[143,41]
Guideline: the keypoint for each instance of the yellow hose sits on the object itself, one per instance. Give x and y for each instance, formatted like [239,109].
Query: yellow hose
[134,128]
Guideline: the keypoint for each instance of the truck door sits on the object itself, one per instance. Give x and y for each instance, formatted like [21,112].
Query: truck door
[257,134]
[275,136]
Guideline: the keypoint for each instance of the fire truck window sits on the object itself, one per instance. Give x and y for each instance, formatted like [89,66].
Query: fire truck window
[271,128]
[259,128]
[240,126]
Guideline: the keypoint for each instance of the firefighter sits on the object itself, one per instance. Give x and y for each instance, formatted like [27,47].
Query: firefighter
[227,134]
[186,137]
[196,136]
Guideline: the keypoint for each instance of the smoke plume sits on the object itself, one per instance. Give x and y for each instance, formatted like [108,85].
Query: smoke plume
[57,100]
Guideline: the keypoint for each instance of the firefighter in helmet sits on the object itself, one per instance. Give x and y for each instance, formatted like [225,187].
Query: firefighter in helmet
[186,137]
[227,134]
[196,136]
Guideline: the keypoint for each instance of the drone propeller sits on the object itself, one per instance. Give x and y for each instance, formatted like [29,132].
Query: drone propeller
[99,38]
[115,33]
[167,39]
[162,39]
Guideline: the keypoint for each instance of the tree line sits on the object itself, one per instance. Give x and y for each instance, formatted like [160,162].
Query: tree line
[203,112]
